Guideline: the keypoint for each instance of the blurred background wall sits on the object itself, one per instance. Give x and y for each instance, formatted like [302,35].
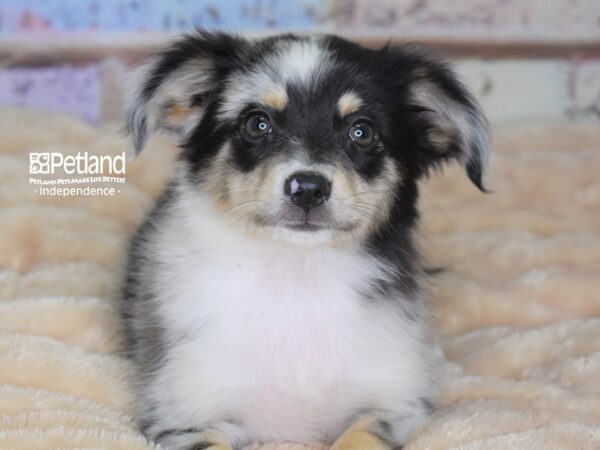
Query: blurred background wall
[527,60]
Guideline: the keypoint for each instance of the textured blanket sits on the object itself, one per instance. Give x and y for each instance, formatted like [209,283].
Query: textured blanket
[517,302]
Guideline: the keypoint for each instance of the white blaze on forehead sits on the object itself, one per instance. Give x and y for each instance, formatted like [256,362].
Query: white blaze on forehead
[292,62]
[349,103]
[301,61]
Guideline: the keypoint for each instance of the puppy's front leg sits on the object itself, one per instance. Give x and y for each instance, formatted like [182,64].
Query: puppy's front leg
[367,433]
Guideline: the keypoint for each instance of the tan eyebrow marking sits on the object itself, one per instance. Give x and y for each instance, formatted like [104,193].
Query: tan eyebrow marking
[275,98]
[175,111]
[348,103]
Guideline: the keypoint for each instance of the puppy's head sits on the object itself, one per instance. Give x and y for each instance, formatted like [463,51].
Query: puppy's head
[308,139]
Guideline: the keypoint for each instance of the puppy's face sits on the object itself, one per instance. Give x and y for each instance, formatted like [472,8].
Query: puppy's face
[308,139]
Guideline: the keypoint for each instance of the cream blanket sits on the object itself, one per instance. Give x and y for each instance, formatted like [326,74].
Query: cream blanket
[518,304]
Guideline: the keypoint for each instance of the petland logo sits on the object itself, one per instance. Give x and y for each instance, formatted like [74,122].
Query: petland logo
[82,168]
[82,163]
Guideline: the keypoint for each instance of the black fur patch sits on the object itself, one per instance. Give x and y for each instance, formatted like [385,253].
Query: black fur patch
[144,343]
[428,405]
[175,432]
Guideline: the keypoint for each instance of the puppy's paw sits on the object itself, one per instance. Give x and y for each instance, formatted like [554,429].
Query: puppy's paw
[362,440]
[358,437]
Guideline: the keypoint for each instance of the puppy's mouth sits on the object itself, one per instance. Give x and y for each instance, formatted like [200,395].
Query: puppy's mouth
[304,222]
[304,225]
[308,226]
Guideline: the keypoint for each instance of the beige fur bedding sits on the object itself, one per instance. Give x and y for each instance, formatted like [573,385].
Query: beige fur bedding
[518,304]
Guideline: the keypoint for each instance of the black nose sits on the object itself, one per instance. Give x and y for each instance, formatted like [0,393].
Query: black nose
[307,189]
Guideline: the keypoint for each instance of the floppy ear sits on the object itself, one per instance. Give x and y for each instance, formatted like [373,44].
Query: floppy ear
[172,91]
[456,126]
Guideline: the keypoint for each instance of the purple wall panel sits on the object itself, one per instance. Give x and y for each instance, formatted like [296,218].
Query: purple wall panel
[66,89]
[60,16]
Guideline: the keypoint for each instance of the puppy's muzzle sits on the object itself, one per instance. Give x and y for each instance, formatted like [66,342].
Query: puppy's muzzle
[307,190]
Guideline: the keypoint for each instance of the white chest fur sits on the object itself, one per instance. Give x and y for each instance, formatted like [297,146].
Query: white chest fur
[279,337]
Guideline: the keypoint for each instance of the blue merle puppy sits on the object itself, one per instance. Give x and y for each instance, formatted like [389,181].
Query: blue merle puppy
[274,293]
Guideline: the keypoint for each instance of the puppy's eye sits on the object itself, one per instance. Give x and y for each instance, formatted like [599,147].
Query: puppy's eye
[256,126]
[362,134]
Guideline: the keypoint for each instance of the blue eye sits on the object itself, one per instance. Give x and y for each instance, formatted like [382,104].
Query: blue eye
[256,126]
[362,134]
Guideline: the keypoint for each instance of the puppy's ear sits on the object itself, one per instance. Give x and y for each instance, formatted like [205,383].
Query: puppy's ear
[455,125]
[172,91]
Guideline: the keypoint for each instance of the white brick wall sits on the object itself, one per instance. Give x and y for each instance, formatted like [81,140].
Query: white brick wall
[584,86]
[518,90]
[560,21]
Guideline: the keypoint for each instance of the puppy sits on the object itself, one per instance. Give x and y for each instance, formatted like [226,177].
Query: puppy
[274,293]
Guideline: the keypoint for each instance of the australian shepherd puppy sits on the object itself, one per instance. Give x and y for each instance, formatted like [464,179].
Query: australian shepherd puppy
[274,293]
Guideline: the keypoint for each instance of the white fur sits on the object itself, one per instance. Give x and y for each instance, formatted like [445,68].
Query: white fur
[302,60]
[277,336]
[295,62]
